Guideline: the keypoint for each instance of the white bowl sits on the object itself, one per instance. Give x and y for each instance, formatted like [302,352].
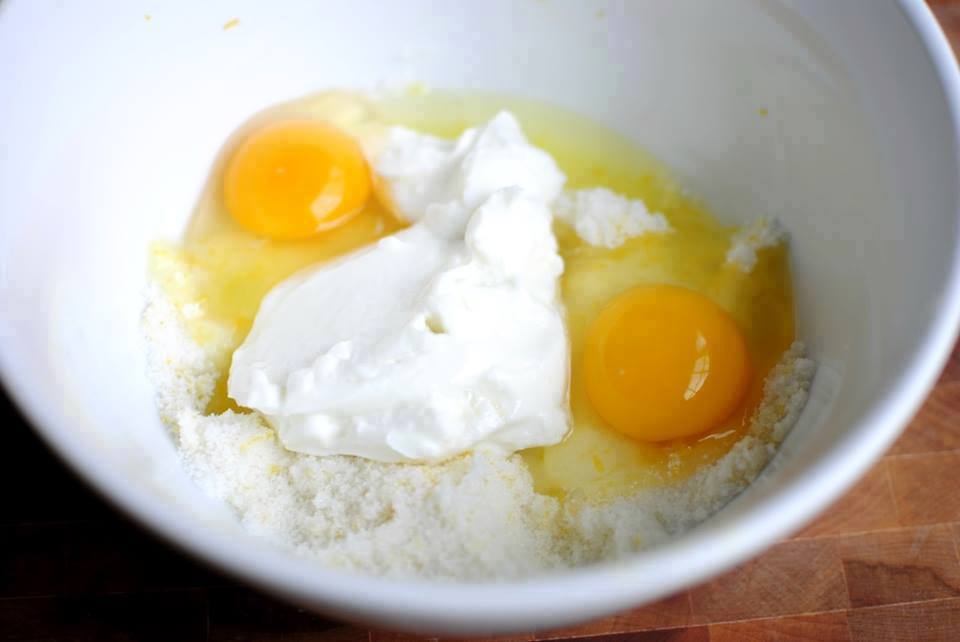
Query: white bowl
[109,122]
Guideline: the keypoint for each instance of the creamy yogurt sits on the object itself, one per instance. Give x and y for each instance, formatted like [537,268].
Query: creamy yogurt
[445,337]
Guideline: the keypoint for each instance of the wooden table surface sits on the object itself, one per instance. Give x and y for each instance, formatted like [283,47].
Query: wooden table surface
[882,564]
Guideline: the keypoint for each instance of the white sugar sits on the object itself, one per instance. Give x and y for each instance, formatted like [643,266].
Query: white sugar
[604,218]
[475,517]
[760,234]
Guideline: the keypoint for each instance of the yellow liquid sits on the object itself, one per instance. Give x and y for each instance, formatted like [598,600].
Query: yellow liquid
[229,271]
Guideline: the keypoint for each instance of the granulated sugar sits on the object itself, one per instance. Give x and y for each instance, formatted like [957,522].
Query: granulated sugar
[475,517]
[744,245]
[628,524]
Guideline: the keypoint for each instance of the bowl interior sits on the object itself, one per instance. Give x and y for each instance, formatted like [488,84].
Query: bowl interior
[831,118]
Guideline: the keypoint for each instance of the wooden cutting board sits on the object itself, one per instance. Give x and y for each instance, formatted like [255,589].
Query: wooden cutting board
[881,565]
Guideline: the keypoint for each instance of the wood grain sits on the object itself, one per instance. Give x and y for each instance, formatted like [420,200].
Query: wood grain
[903,565]
[933,621]
[881,565]
[926,487]
[793,578]
[823,627]
[870,506]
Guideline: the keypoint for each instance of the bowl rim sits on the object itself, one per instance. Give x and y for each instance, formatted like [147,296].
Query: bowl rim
[572,595]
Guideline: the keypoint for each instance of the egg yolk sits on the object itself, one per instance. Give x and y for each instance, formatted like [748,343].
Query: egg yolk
[663,362]
[293,179]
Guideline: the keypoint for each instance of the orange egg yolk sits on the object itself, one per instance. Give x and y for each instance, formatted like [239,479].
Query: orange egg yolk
[293,179]
[663,362]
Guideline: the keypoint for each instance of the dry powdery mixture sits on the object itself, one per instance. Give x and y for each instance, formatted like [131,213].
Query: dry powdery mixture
[477,516]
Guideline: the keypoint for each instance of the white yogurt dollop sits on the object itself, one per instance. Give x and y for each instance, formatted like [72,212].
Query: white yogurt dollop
[445,337]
